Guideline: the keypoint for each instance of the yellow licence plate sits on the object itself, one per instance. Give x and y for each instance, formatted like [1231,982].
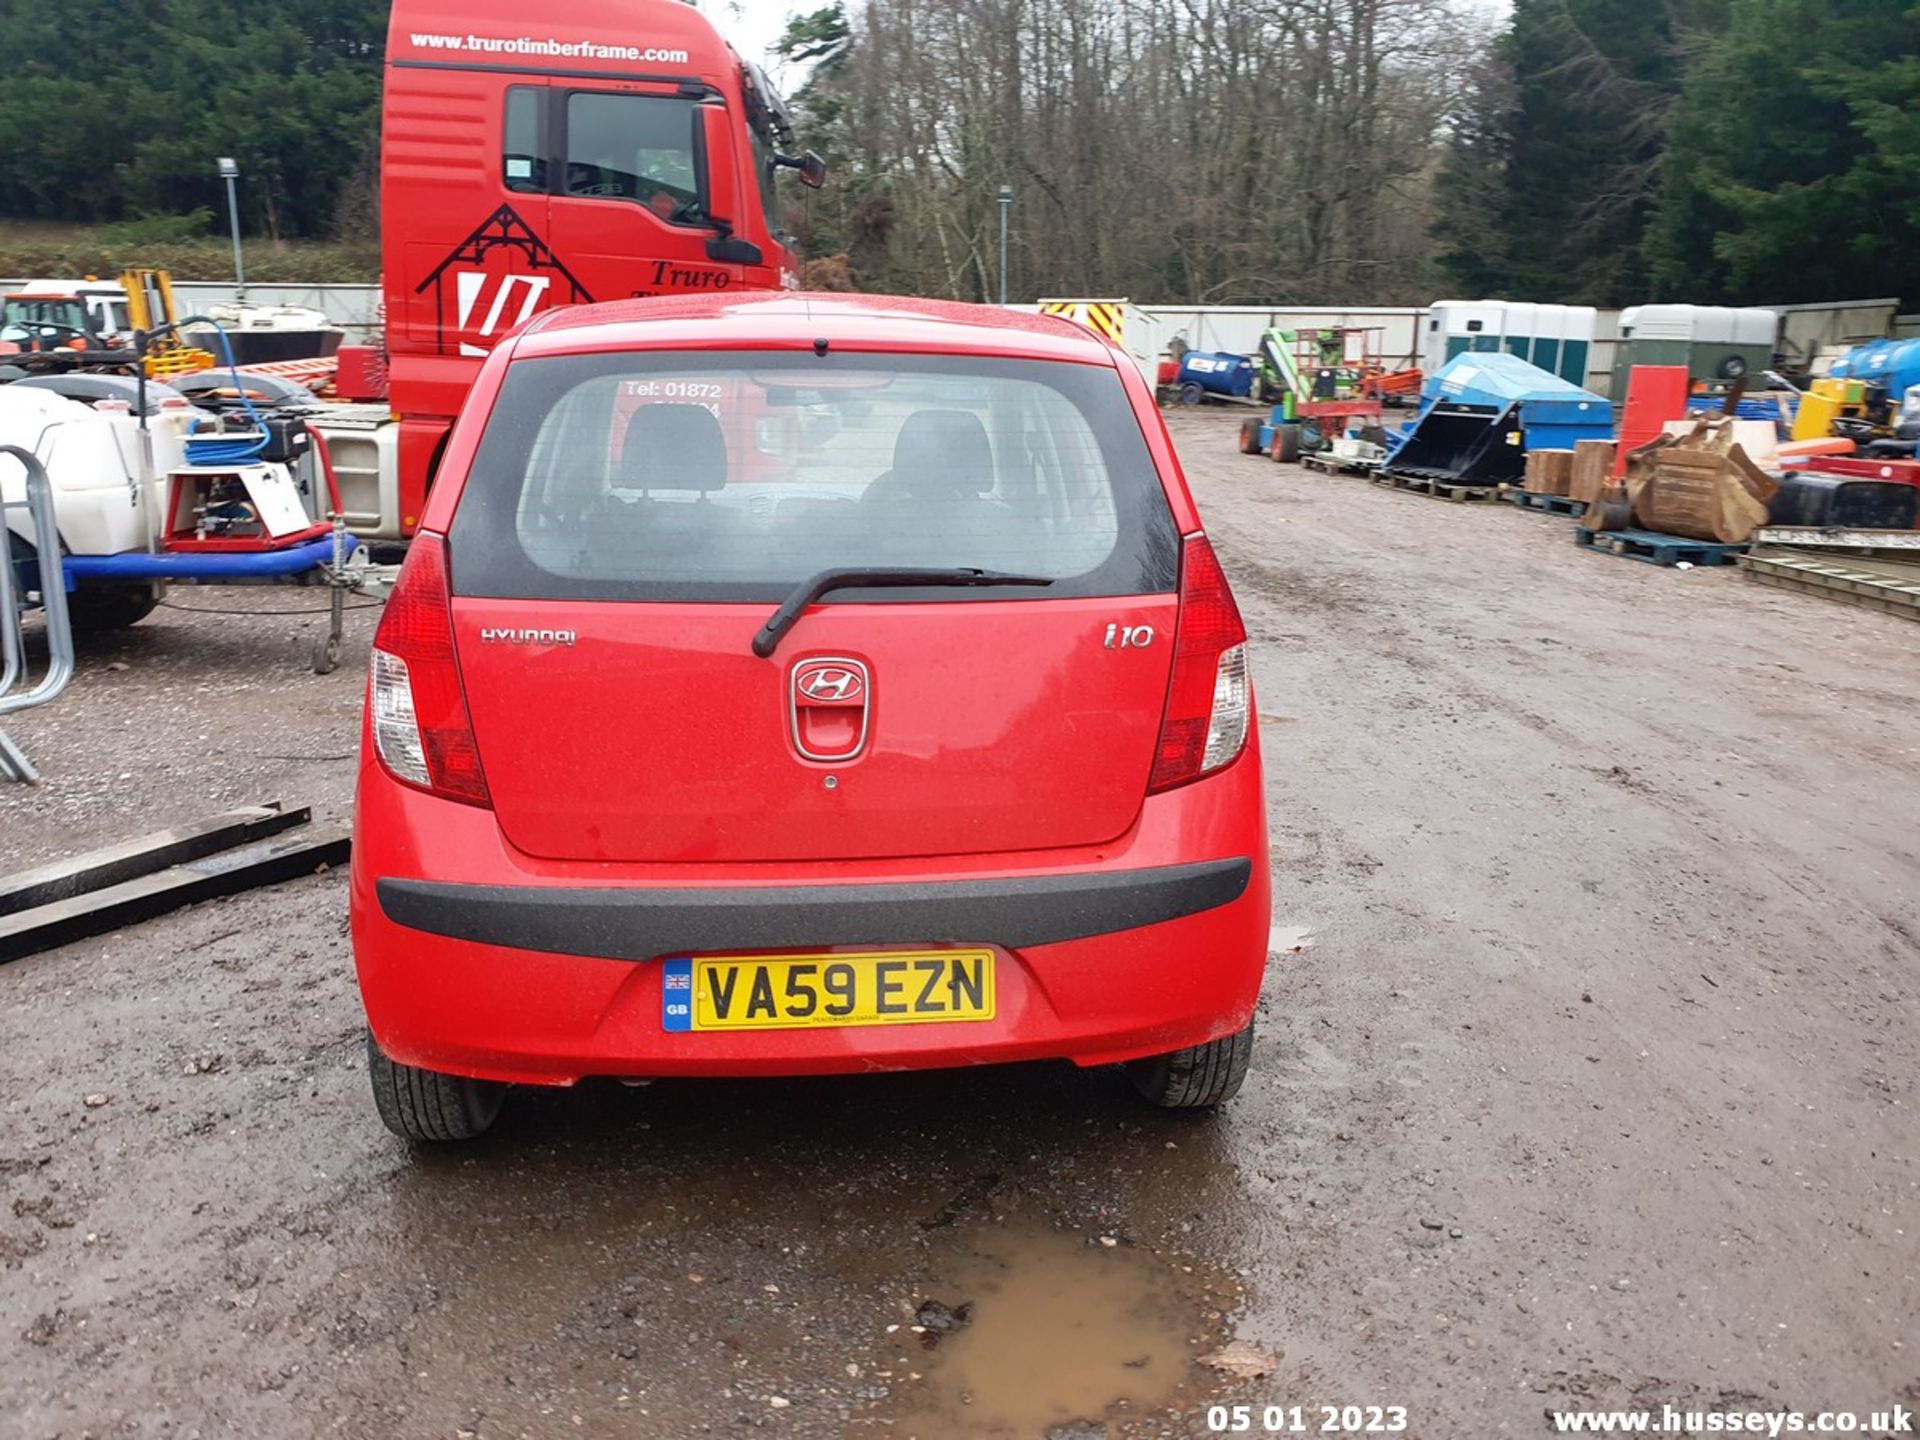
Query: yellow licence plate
[801,992]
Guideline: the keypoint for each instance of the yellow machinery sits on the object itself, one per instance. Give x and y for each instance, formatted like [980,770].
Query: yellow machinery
[1825,401]
[150,304]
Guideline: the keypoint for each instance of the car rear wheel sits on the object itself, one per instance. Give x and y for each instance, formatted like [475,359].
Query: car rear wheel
[1198,1077]
[425,1106]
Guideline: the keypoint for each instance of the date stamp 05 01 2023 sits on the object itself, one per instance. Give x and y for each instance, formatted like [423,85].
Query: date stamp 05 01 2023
[1307,1419]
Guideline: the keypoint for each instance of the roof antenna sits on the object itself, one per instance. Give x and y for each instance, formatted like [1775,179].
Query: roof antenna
[820,345]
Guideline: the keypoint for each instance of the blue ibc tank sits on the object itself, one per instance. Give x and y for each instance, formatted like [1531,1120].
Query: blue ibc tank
[1892,363]
[1216,372]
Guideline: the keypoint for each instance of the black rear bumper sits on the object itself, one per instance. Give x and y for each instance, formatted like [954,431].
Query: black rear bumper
[640,924]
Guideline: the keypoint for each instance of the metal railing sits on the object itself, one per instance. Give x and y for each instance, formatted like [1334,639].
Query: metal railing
[38,503]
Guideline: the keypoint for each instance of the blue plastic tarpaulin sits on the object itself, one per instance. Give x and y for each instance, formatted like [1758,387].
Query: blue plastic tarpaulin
[1482,411]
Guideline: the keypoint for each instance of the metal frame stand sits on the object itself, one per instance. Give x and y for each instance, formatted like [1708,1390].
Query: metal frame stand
[340,579]
[53,598]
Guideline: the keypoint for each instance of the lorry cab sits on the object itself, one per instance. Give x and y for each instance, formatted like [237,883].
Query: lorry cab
[525,163]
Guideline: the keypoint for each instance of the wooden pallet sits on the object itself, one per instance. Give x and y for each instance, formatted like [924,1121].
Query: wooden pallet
[1330,464]
[1439,489]
[1655,549]
[1546,504]
[1893,589]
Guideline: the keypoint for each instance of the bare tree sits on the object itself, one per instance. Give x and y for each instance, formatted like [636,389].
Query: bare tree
[1234,151]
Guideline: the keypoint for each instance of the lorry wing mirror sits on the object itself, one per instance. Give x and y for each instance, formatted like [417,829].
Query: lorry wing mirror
[813,170]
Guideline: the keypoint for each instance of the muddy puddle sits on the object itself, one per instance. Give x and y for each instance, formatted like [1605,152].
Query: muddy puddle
[1025,1332]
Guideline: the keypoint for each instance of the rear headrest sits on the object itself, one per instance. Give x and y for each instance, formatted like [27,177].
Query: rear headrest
[673,447]
[944,452]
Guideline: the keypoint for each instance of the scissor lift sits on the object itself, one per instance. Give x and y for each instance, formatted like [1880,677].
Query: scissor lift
[1330,377]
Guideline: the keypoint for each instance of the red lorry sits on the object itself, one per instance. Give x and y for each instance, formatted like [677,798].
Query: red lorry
[530,158]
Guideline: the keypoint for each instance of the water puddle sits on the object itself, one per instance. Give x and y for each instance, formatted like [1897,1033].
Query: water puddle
[1289,939]
[1036,1329]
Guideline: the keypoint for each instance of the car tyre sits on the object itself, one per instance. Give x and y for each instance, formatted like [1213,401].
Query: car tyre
[1191,393]
[1286,444]
[426,1107]
[1198,1077]
[1250,437]
[97,609]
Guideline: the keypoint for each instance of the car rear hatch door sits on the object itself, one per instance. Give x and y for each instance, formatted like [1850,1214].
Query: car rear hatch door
[633,521]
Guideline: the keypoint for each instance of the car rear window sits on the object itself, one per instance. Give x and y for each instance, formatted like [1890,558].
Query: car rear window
[736,475]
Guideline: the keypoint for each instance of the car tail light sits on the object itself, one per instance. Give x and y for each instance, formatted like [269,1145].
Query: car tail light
[1209,699]
[421,729]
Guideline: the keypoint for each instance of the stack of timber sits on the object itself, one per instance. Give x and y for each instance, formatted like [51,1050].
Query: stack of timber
[1547,484]
[1592,468]
[1549,472]
[122,884]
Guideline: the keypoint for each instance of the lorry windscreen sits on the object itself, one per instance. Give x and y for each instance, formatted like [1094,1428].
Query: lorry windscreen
[633,147]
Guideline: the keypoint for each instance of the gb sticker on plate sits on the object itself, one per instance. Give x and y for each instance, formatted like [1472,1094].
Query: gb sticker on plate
[676,994]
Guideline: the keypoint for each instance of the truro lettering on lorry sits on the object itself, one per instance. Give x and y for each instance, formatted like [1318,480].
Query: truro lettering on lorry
[669,278]
[635,154]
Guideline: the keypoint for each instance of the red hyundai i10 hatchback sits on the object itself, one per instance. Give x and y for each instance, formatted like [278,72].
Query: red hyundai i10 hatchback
[805,684]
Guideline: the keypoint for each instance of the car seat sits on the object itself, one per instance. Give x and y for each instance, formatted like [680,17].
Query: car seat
[939,456]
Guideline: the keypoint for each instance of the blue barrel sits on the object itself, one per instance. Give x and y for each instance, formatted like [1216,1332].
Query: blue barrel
[1216,372]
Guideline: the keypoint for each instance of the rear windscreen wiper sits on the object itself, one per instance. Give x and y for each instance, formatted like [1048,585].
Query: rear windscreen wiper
[846,577]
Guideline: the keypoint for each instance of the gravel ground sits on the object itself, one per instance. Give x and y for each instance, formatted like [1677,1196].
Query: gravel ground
[1587,1073]
[209,703]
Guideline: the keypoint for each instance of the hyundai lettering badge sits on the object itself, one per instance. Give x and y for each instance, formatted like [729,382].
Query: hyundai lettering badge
[499,635]
[829,700]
